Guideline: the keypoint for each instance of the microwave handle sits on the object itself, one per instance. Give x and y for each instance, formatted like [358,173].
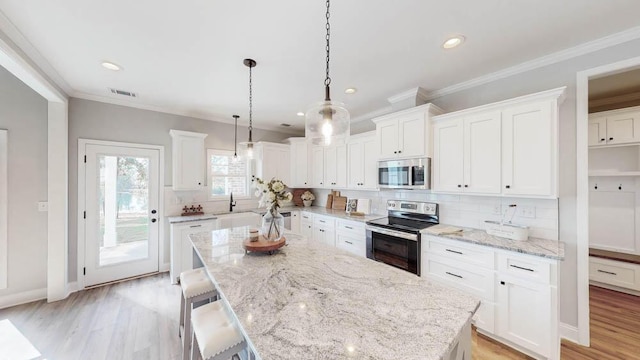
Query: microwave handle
[410,180]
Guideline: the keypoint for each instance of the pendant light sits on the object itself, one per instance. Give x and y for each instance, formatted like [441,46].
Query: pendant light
[327,120]
[250,63]
[235,139]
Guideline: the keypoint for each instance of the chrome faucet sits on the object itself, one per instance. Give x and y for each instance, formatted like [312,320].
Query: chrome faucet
[231,203]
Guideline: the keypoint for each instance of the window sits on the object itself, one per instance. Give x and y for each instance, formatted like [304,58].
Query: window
[227,176]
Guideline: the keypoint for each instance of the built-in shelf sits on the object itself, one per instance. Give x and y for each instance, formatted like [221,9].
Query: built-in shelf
[613,173]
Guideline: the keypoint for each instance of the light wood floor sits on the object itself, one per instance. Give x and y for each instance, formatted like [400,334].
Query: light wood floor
[138,319]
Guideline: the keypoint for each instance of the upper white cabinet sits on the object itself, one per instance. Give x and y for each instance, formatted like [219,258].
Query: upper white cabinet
[317,166]
[405,134]
[508,148]
[188,159]
[299,163]
[615,127]
[363,162]
[273,161]
[467,154]
[329,166]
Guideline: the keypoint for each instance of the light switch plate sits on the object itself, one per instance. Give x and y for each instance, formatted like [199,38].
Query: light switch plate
[43,206]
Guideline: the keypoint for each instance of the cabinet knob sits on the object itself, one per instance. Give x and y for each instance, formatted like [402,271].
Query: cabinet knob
[459,185]
[153,220]
[466,186]
[508,186]
[153,211]
[501,282]
[603,139]
[395,152]
[199,183]
[610,139]
[399,151]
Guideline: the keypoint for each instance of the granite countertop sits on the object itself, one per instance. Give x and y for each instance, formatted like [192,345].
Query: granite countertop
[338,213]
[533,246]
[188,218]
[312,301]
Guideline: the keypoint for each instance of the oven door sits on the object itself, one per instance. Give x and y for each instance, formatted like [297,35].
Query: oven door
[395,248]
[394,176]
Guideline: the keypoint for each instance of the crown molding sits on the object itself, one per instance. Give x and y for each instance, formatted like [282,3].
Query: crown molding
[180,112]
[417,93]
[32,54]
[579,50]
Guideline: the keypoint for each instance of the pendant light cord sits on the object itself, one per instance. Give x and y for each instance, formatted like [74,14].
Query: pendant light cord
[327,79]
[235,137]
[250,103]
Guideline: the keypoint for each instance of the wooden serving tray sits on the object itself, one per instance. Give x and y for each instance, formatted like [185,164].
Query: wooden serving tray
[263,245]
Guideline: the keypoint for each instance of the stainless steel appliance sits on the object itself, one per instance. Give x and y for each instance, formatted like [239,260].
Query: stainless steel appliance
[405,174]
[395,240]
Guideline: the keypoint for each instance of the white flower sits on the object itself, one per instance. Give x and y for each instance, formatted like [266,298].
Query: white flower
[289,196]
[272,196]
[277,186]
[308,196]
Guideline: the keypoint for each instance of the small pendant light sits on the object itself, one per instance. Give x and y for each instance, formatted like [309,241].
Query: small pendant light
[250,63]
[327,120]
[235,139]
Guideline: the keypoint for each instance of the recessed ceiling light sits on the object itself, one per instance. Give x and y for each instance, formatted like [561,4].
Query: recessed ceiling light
[111,66]
[453,42]
[350,91]
[300,113]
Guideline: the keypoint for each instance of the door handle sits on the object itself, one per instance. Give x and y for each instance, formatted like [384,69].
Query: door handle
[153,220]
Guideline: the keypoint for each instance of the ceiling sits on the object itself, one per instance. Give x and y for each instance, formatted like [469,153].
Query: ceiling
[615,85]
[186,56]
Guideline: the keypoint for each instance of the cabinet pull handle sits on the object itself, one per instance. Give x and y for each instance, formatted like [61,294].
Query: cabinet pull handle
[521,268]
[501,282]
[322,221]
[452,274]
[399,151]
[459,185]
[195,226]
[620,187]
[453,251]
[349,227]
[596,187]
[608,272]
[395,152]
[610,138]
[348,242]
[508,186]
[603,139]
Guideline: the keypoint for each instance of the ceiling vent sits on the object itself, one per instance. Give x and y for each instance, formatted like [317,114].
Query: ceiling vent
[285,125]
[123,92]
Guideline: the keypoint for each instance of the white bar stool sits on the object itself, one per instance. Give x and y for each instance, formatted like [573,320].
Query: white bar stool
[215,336]
[196,287]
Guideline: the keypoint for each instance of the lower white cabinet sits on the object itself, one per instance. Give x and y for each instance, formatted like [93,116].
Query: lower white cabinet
[181,248]
[518,293]
[616,273]
[295,222]
[344,234]
[351,236]
[324,230]
[306,224]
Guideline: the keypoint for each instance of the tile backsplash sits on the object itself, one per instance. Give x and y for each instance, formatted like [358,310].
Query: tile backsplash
[541,215]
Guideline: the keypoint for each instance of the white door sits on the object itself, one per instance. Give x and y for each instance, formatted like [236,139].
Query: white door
[299,164]
[356,168]
[528,147]
[370,164]
[388,139]
[330,166]
[597,131]
[412,131]
[623,128]
[448,156]
[121,212]
[317,163]
[482,154]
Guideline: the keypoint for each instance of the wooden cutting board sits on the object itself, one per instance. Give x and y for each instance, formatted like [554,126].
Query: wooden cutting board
[339,203]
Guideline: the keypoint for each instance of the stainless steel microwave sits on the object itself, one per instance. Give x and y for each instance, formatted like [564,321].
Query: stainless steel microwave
[405,174]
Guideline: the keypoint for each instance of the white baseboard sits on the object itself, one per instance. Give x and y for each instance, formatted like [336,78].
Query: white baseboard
[569,332]
[72,287]
[22,298]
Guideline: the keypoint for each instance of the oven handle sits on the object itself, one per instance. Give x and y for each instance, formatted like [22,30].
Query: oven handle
[400,234]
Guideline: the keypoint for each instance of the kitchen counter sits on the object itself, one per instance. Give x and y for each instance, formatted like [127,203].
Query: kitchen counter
[533,246]
[335,213]
[312,301]
[188,218]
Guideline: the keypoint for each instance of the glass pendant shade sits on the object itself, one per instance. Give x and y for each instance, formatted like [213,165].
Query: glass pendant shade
[247,151]
[326,122]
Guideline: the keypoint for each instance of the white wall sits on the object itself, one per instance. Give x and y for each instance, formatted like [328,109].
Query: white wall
[101,121]
[24,114]
[548,77]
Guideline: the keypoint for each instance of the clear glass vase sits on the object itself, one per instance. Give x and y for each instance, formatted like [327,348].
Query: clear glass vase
[272,225]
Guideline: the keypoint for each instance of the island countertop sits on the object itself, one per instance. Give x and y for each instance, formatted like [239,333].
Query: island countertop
[312,301]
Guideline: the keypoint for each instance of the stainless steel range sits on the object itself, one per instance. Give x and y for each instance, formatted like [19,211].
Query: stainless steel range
[395,240]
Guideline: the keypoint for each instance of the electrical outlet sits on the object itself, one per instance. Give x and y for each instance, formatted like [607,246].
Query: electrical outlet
[527,211]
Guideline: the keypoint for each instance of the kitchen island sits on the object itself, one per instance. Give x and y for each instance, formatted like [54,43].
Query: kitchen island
[312,301]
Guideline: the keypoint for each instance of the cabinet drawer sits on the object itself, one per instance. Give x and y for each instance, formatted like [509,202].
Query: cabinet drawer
[306,217]
[459,251]
[351,227]
[468,278]
[527,268]
[324,221]
[351,244]
[615,273]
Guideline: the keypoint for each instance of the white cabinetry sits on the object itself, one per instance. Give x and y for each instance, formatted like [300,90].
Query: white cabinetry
[621,275]
[519,300]
[405,134]
[508,148]
[363,162]
[188,160]
[351,236]
[181,247]
[306,224]
[324,230]
[614,127]
[295,222]
[335,166]
[273,161]
[299,163]
[317,166]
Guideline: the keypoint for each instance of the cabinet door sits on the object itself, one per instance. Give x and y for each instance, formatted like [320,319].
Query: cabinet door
[524,314]
[529,146]
[356,161]
[387,132]
[299,164]
[283,165]
[482,154]
[412,135]
[351,244]
[448,156]
[306,229]
[623,128]
[317,166]
[330,166]
[269,163]
[295,222]
[597,131]
[341,166]
[188,162]
[370,163]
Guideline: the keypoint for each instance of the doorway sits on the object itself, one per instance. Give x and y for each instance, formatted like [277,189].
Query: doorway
[120,205]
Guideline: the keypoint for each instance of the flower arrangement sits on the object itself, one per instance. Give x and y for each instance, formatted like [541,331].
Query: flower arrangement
[308,196]
[271,194]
